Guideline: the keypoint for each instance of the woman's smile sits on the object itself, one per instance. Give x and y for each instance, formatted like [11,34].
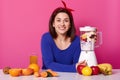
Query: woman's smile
[62,27]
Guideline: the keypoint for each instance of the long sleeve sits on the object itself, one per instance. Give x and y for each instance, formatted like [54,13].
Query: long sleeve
[65,61]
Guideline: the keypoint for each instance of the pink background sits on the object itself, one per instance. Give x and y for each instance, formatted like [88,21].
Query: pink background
[22,22]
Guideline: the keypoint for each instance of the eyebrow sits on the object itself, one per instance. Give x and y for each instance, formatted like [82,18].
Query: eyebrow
[60,18]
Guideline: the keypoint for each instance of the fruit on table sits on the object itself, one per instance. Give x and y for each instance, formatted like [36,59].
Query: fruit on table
[37,74]
[27,71]
[87,71]
[35,67]
[79,68]
[46,73]
[6,70]
[105,68]
[53,73]
[95,70]
[15,72]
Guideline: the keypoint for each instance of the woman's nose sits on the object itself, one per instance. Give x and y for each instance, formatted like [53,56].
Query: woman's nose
[62,23]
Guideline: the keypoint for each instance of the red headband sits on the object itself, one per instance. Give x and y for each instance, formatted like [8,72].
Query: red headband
[66,6]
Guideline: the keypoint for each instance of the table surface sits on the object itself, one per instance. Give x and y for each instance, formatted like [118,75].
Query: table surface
[65,76]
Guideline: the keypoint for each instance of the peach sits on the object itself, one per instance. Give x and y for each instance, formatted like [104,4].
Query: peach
[27,71]
[36,74]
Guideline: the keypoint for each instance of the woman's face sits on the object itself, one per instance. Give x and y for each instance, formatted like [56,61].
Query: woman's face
[61,23]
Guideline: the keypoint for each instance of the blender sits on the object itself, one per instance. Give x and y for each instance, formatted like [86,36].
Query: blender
[90,38]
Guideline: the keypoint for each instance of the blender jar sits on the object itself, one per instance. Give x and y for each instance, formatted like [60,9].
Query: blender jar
[88,38]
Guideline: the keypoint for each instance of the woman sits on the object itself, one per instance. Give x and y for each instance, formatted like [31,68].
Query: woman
[60,46]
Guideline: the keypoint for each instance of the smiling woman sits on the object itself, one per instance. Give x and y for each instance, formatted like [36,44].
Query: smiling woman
[60,46]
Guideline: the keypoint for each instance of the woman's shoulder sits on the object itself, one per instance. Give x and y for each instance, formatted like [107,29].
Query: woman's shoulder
[77,38]
[46,35]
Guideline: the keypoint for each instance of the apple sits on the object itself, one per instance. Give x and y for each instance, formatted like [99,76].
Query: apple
[79,68]
[95,70]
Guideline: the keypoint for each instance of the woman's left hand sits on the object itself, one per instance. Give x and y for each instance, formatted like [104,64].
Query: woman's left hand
[81,63]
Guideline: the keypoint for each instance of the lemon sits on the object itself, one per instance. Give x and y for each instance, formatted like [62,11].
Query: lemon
[87,71]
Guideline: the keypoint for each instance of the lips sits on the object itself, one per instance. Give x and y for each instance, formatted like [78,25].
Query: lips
[62,28]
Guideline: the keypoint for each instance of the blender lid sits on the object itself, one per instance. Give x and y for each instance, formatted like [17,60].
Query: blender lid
[87,28]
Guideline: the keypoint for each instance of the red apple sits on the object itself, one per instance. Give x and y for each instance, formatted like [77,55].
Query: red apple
[95,70]
[79,68]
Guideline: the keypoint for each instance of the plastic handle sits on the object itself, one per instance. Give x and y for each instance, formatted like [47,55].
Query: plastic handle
[99,39]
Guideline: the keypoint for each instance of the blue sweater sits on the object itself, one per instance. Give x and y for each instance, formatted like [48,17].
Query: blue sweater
[59,60]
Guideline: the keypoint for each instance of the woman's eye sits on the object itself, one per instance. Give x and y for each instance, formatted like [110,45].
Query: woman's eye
[58,20]
[66,20]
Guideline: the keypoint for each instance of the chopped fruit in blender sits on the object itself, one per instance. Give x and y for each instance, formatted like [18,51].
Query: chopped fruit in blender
[84,37]
[92,36]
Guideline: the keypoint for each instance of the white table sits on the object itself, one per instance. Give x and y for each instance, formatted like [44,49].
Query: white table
[65,76]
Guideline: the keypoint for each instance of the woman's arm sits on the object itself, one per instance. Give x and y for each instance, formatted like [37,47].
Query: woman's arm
[48,58]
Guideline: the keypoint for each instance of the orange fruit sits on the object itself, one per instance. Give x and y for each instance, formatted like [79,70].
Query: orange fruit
[15,72]
[35,67]
[87,71]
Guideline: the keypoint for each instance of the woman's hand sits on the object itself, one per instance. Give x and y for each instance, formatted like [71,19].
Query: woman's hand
[81,63]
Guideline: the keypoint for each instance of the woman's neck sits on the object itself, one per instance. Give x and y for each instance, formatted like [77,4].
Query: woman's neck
[62,42]
[62,38]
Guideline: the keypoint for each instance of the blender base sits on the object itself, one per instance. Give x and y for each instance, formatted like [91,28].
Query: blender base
[89,57]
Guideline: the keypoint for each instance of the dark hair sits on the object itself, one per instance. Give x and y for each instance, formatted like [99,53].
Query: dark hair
[71,32]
